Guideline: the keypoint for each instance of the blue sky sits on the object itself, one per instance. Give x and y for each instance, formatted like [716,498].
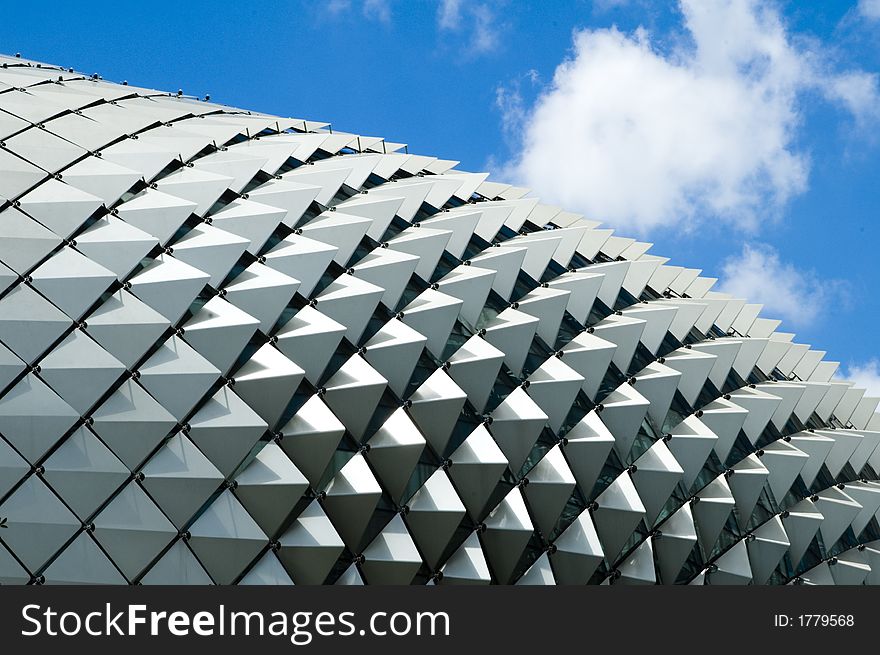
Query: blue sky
[738,138]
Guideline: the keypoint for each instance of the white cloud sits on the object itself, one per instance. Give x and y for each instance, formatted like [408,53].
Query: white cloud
[797,296]
[449,14]
[509,101]
[856,91]
[335,7]
[641,138]
[864,376]
[870,9]
[379,10]
[608,5]
[485,36]
[478,20]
